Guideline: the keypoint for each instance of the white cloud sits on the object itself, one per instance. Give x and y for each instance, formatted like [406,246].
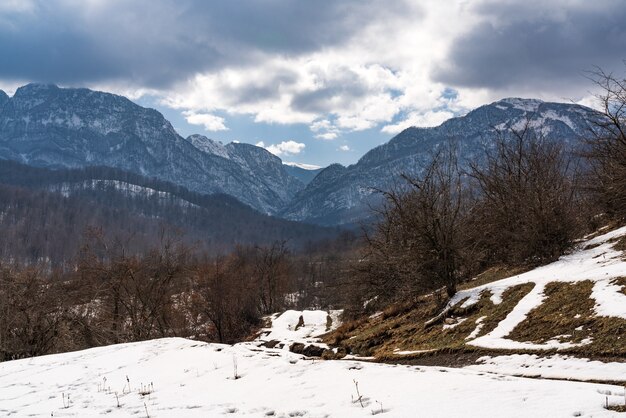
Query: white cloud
[210,122]
[283,148]
[421,120]
[360,84]
[344,148]
[327,136]
[17,6]
[383,72]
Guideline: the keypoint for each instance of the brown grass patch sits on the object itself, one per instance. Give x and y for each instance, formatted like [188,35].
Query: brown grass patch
[620,243]
[621,282]
[491,275]
[567,315]
[405,330]
[617,408]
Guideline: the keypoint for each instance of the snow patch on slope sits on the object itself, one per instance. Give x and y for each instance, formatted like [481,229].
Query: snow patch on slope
[596,260]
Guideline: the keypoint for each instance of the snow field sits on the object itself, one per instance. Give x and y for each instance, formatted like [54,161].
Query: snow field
[192,379]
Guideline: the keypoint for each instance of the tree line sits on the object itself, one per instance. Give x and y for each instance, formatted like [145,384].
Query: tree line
[113,295]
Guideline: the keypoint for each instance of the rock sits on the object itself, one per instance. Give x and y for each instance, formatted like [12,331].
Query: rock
[307,350]
[300,322]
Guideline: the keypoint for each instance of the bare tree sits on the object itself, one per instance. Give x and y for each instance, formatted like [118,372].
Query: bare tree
[419,244]
[270,271]
[527,203]
[607,144]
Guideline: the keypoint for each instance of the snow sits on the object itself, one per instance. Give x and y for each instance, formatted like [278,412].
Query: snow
[66,189]
[553,367]
[399,352]
[194,379]
[551,114]
[283,327]
[479,327]
[302,165]
[209,146]
[610,299]
[527,105]
[455,324]
[595,260]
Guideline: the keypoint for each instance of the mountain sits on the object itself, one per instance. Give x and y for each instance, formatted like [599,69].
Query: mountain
[340,194]
[256,164]
[44,213]
[47,126]
[305,175]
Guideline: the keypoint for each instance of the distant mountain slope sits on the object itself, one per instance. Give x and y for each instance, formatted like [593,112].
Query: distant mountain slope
[44,213]
[305,175]
[342,194]
[48,126]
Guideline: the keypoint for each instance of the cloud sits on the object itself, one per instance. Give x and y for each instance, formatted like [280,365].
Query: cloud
[303,165]
[210,122]
[161,43]
[336,67]
[536,45]
[428,119]
[344,148]
[327,136]
[284,148]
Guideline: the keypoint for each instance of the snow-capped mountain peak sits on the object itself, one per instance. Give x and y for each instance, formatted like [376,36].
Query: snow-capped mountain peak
[208,145]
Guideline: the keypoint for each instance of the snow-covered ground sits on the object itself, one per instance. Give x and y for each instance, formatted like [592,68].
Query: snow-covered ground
[553,367]
[596,260]
[182,378]
[284,327]
[192,379]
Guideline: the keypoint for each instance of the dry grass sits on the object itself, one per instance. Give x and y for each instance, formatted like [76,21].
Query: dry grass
[405,331]
[621,282]
[491,275]
[620,244]
[617,408]
[567,315]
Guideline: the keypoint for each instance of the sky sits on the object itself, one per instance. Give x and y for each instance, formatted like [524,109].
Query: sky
[314,82]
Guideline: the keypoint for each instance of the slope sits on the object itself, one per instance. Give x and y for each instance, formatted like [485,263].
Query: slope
[575,306]
[44,213]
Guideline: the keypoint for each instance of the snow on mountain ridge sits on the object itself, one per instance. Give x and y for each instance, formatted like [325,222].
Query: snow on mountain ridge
[208,145]
[527,105]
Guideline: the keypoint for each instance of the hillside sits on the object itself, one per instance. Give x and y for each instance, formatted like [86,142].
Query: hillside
[575,306]
[44,213]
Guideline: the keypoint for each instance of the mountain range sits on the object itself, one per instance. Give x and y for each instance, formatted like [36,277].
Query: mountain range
[344,194]
[67,128]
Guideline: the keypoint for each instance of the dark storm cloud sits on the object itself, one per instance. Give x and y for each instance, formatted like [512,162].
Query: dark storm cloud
[345,86]
[268,89]
[156,43]
[537,44]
